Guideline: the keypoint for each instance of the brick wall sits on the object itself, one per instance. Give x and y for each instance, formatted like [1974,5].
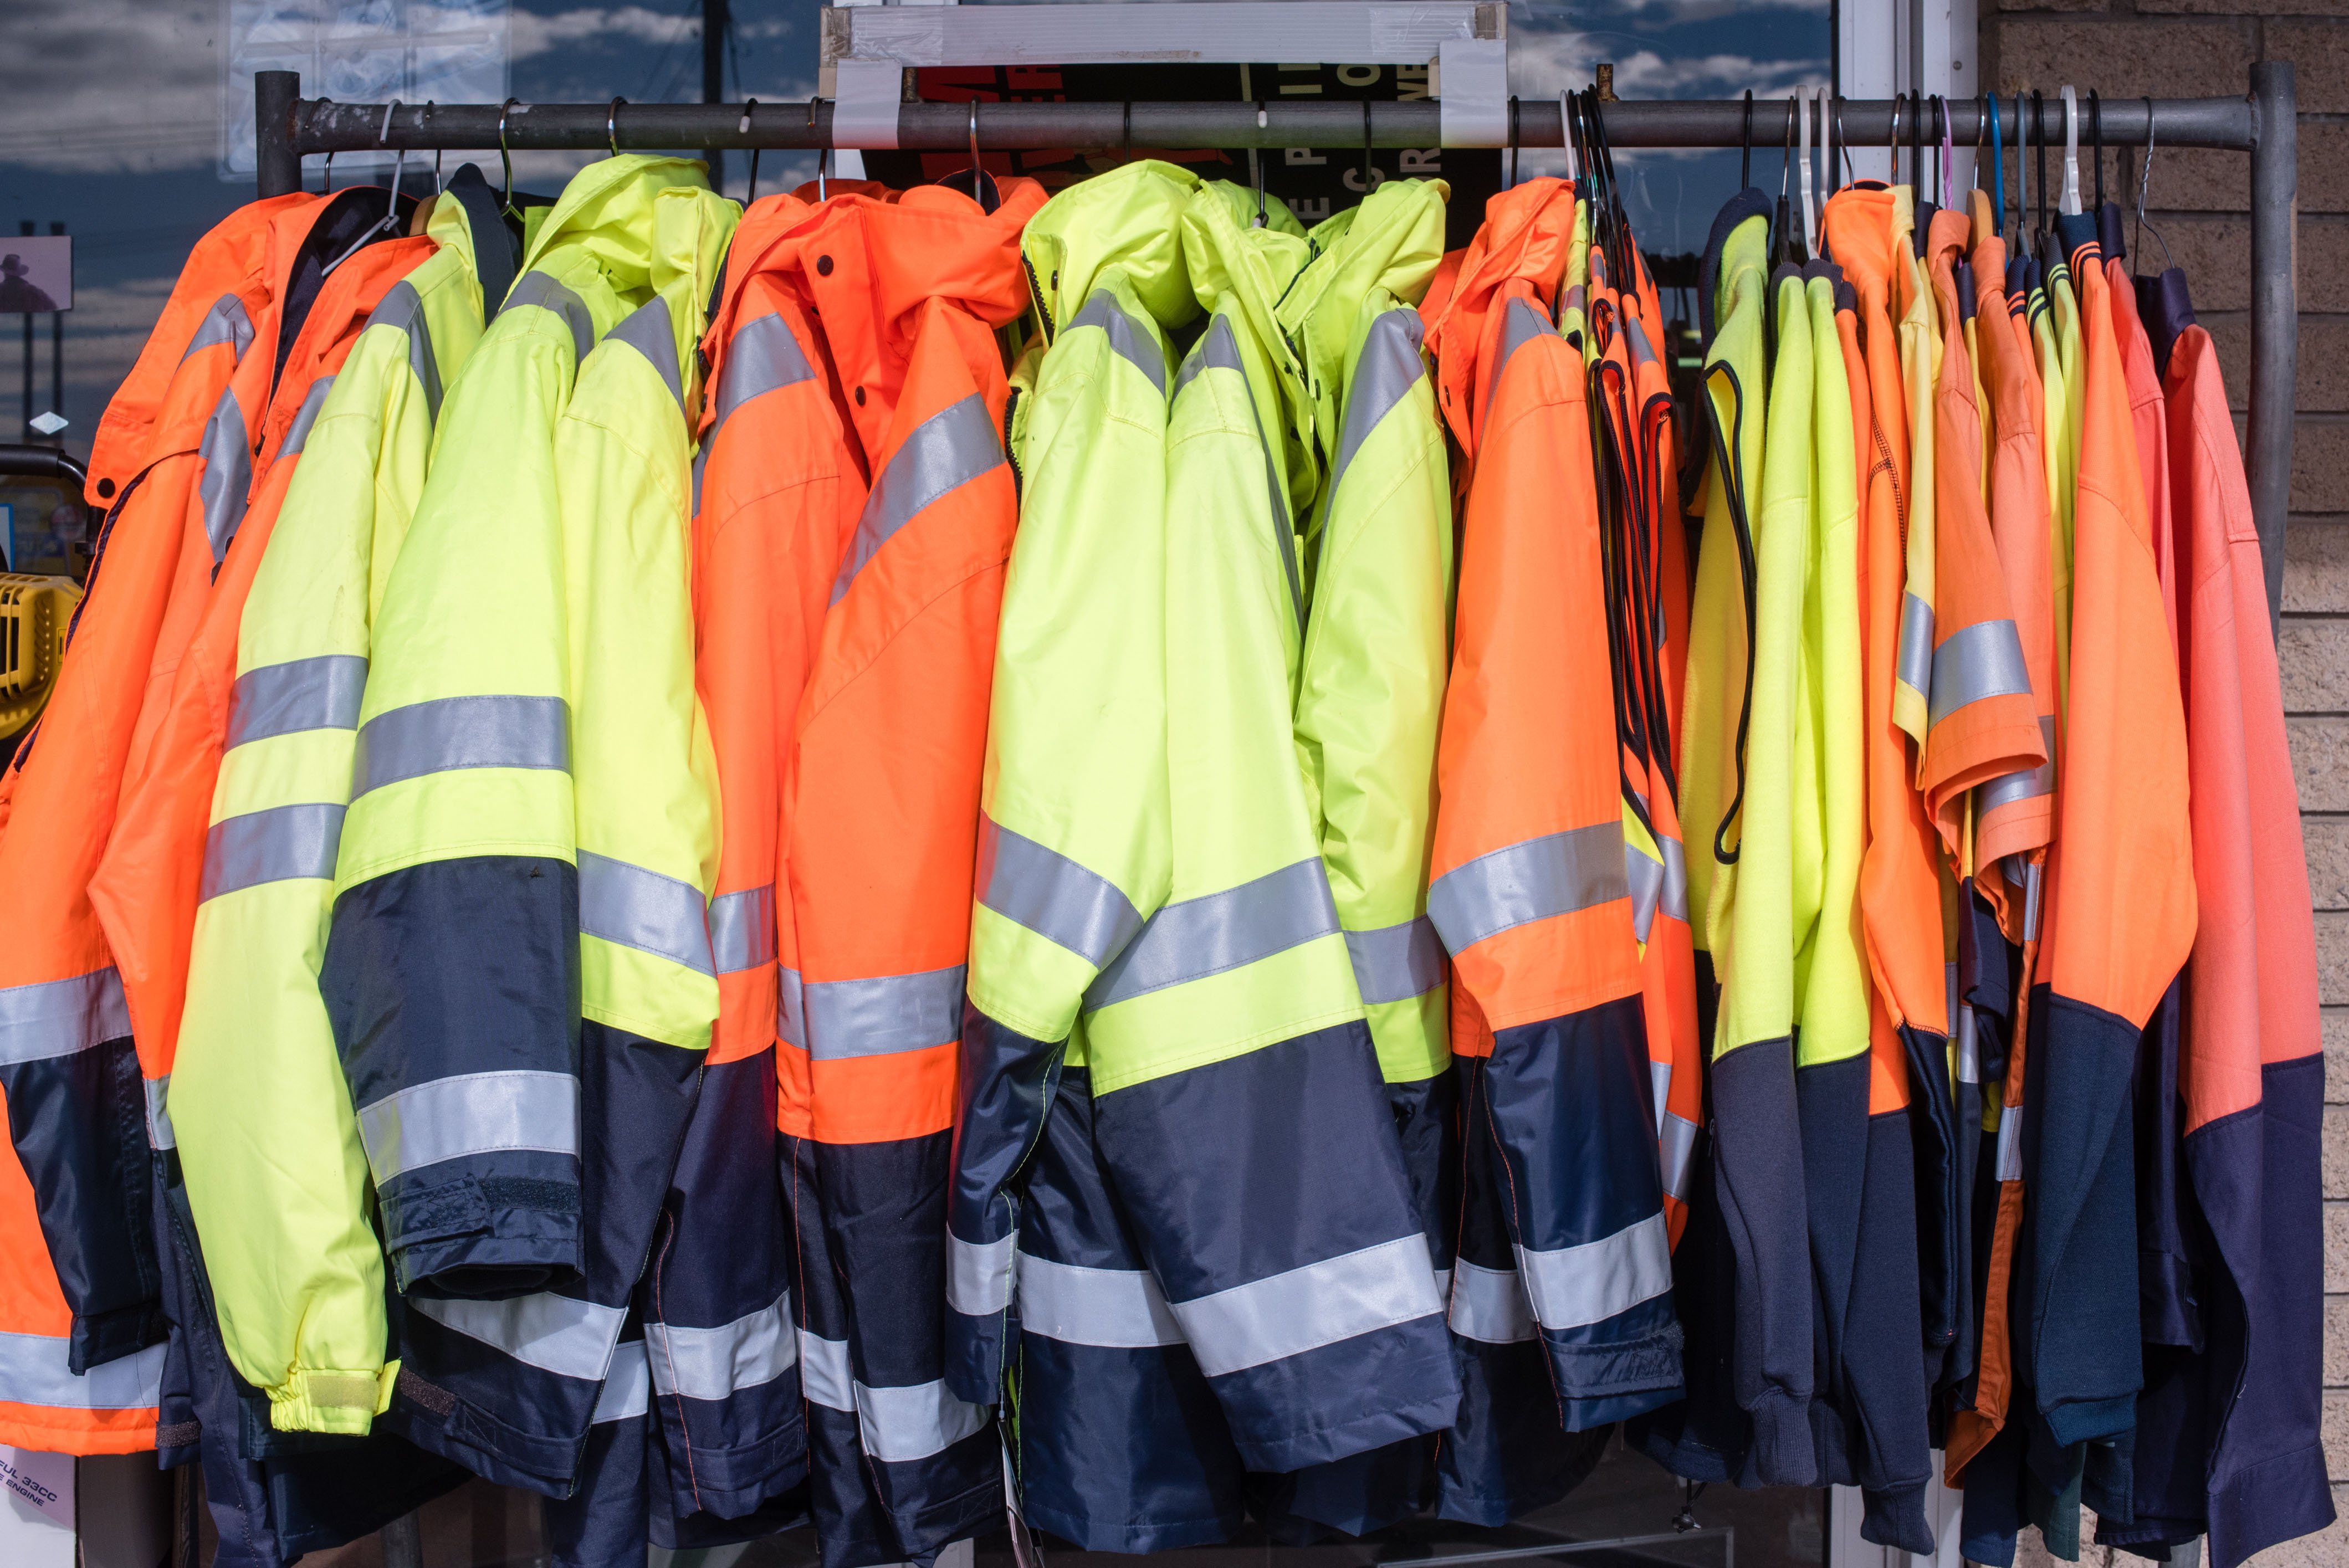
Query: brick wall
[2198,203]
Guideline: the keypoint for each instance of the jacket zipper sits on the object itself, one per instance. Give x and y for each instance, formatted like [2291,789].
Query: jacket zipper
[1036,297]
[1018,484]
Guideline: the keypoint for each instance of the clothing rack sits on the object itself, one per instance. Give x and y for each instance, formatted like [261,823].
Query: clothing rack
[2262,123]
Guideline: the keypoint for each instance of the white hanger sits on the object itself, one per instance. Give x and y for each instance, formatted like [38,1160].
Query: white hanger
[2069,205]
[1827,171]
[1566,135]
[1802,107]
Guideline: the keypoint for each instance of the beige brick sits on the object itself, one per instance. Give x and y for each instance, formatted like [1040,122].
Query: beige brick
[2214,249]
[2336,1431]
[2332,957]
[2336,1341]
[2315,657]
[2323,385]
[2336,1151]
[2336,1257]
[2316,564]
[2318,48]
[2124,56]
[2328,1548]
[2336,1054]
[2323,261]
[2328,861]
[2320,762]
[2052,5]
[2323,180]
[2320,464]
[2249,8]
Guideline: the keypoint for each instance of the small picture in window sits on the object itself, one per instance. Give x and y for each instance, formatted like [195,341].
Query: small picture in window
[36,274]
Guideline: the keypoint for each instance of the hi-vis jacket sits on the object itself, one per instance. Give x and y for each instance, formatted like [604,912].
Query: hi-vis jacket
[519,970]
[878,854]
[1234,1094]
[268,1143]
[2251,1057]
[1528,886]
[80,1281]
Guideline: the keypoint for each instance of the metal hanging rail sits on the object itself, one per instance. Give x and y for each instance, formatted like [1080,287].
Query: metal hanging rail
[288,128]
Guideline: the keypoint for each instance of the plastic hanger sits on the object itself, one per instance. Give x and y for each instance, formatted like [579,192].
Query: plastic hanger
[1945,160]
[2068,204]
[1997,166]
[1746,152]
[1803,166]
[1789,247]
[1566,135]
[749,192]
[505,160]
[1255,170]
[390,217]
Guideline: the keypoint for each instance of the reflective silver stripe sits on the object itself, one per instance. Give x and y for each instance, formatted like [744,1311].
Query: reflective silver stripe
[59,1018]
[279,844]
[1677,1152]
[1395,963]
[761,356]
[1660,1089]
[553,1333]
[1575,299]
[1219,349]
[2029,783]
[1489,1305]
[1129,338]
[1201,936]
[2010,1144]
[1915,669]
[34,1371]
[824,1377]
[1390,366]
[1968,1046]
[537,288]
[979,1276]
[791,1008]
[1572,1287]
[712,1363]
[1675,902]
[901,1425]
[321,693]
[1120,1309]
[1521,325]
[644,910]
[646,330]
[628,1391]
[1052,896]
[226,322]
[1557,873]
[1288,1314]
[943,453]
[402,310]
[227,453]
[454,732]
[742,929]
[159,1114]
[1641,354]
[471,1113]
[1643,874]
[2033,879]
[882,1016]
[297,435]
[1984,660]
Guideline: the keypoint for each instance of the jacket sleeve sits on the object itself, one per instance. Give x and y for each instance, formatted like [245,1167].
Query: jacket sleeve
[275,1172]
[1073,851]
[452,973]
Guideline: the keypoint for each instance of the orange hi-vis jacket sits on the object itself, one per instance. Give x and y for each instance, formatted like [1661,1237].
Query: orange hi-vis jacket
[1984,724]
[80,1285]
[2147,412]
[1527,884]
[2121,916]
[2236,1427]
[79,1111]
[883,804]
[147,888]
[1899,893]
[2016,813]
[1645,545]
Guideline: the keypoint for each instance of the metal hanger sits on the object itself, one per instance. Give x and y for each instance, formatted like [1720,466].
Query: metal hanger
[1945,158]
[1851,174]
[438,184]
[1893,142]
[823,154]
[749,192]
[505,158]
[390,217]
[611,126]
[2069,203]
[1256,169]
[2144,179]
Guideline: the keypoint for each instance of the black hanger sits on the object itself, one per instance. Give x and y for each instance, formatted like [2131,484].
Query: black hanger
[1370,169]
[1941,188]
[1789,248]
[750,191]
[2039,123]
[1997,166]
[1256,168]
[1745,154]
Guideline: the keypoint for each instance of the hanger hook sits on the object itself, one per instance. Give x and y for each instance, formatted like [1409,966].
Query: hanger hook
[974,151]
[822,153]
[1892,141]
[1850,172]
[2144,179]
[1512,142]
[611,126]
[398,163]
[429,104]
[505,158]
[2070,201]
[749,192]
[1256,168]
[326,186]
[1370,169]
[1997,166]
[1745,156]
[1566,135]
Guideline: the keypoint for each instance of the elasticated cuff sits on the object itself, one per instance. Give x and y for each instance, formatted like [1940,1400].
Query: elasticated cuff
[321,1401]
[1783,1454]
[1894,1516]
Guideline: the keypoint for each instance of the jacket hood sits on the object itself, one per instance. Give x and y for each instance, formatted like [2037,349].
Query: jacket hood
[1244,272]
[1524,240]
[867,263]
[1386,249]
[1746,204]
[1129,221]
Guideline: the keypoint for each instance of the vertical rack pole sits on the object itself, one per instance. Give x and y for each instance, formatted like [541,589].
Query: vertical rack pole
[276,167]
[2275,319]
